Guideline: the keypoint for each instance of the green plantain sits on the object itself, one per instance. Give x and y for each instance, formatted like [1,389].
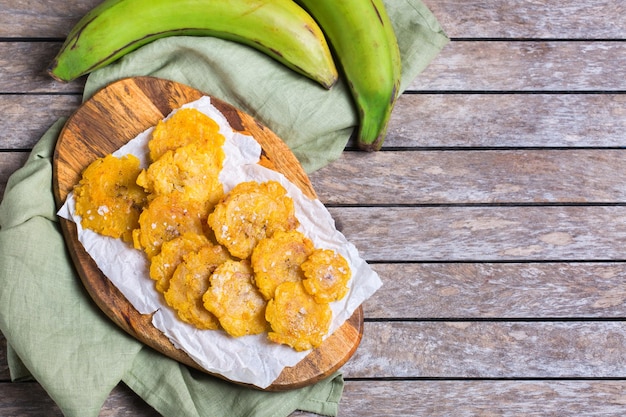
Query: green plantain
[365,45]
[279,28]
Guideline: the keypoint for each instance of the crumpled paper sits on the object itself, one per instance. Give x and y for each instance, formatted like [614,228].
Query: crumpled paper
[249,359]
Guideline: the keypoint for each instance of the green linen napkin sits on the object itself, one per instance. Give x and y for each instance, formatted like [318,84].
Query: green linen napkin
[57,335]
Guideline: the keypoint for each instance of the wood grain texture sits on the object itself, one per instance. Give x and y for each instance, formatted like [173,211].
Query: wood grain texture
[580,19]
[474,177]
[485,398]
[23,69]
[27,399]
[546,291]
[9,163]
[41,19]
[458,120]
[526,66]
[108,120]
[493,233]
[490,349]
[4,366]
[422,121]
[29,116]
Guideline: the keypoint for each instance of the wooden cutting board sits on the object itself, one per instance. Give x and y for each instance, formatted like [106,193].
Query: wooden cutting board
[112,117]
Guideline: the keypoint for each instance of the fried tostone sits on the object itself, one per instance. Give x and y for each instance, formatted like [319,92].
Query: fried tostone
[252,211]
[277,259]
[185,126]
[297,320]
[190,281]
[235,301]
[167,217]
[192,170]
[163,265]
[107,197]
[326,275]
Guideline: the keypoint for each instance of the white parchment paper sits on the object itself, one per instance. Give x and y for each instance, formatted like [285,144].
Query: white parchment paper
[249,359]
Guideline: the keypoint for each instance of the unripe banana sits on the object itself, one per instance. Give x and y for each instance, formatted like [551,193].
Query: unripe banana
[279,28]
[365,45]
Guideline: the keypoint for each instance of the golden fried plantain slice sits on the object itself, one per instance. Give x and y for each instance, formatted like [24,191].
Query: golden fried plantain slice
[297,320]
[277,259]
[182,128]
[190,281]
[163,265]
[107,197]
[235,301]
[192,170]
[250,212]
[326,275]
[167,217]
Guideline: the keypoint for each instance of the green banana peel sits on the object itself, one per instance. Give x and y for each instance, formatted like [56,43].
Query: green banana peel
[364,43]
[279,28]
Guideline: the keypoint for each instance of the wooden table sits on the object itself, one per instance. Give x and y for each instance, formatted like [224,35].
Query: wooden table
[495,214]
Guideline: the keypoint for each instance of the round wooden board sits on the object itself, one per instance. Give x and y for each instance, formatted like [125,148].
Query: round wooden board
[112,117]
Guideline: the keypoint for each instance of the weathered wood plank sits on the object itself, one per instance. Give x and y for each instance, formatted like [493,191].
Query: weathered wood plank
[484,398]
[23,69]
[474,177]
[41,19]
[4,366]
[393,399]
[494,19]
[462,65]
[418,121]
[568,233]
[600,19]
[27,399]
[477,349]
[526,66]
[508,120]
[9,162]
[488,290]
[25,118]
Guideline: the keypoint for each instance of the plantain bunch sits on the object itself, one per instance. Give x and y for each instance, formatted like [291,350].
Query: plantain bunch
[298,33]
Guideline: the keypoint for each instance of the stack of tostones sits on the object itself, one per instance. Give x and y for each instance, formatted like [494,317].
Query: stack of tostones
[163,265]
[189,282]
[233,261]
[182,179]
[186,152]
